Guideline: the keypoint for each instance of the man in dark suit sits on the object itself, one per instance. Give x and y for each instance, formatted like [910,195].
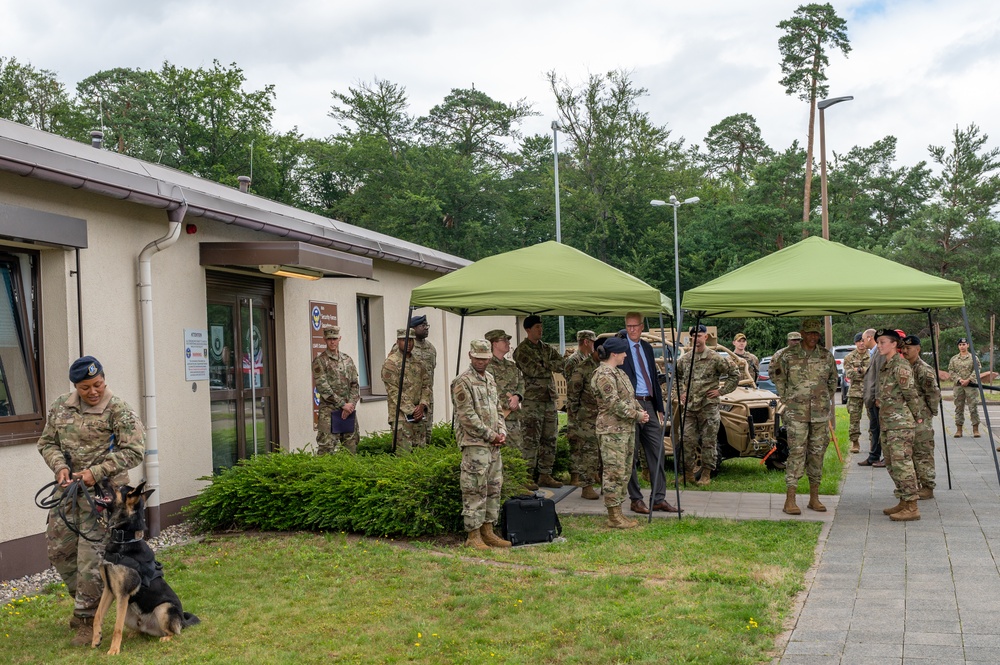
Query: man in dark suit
[640,367]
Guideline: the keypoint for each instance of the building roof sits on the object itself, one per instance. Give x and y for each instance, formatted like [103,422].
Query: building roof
[33,153]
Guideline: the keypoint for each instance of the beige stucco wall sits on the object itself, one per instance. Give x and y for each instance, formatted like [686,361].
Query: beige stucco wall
[117,233]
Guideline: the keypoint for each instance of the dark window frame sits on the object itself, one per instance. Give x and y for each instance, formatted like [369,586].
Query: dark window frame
[26,427]
[364,345]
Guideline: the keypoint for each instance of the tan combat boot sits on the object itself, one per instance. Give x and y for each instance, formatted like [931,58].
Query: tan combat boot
[855,447]
[84,627]
[909,513]
[975,431]
[490,537]
[705,478]
[814,503]
[958,432]
[689,477]
[475,540]
[895,509]
[574,479]
[530,486]
[790,506]
[590,493]
[546,480]
[616,520]
[925,493]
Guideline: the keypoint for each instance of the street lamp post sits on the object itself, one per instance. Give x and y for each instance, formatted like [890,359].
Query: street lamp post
[555,161]
[825,204]
[675,204]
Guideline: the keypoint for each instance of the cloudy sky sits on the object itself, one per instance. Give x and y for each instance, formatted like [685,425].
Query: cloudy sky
[918,68]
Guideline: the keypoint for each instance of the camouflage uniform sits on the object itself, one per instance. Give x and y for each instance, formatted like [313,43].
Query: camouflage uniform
[108,439]
[425,354]
[415,392]
[753,363]
[923,434]
[701,413]
[581,407]
[539,421]
[806,381]
[855,365]
[509,382]
[479,423]
[336,381]
[899,406]
[960,367]
[617,413]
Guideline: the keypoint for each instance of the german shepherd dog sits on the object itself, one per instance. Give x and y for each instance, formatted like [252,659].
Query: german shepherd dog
[134,579]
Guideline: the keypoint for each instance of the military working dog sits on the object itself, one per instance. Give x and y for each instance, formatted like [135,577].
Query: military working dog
[133,578]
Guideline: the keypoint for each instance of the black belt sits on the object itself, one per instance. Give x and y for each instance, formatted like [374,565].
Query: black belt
[644,398]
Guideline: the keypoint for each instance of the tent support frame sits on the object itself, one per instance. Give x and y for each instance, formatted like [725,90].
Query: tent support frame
[982,393]
[937,363]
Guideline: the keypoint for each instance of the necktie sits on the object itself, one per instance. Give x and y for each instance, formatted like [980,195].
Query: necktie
[642,366]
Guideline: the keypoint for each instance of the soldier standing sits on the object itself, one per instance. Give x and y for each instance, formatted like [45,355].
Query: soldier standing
[855,365]
[618,411]
[806,382]
[581,409]
[900,411]
[510,388]
[923,433]
[963,372]
[90,436]
[480,432]
[706,369]
[415,398]
[740,347]
[539,421]
[336,380]
[425,354]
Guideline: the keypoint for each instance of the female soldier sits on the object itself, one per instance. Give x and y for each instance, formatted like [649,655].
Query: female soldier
[617,413]
[899,408]
[90,436]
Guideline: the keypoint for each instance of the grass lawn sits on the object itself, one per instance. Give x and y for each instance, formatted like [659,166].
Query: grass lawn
[691,591]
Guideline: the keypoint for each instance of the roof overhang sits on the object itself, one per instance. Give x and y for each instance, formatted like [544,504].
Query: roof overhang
[285,259]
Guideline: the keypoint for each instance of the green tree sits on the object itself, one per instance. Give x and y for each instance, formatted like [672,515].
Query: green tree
[35,97]
[735,148]
[809,35]
[129,105]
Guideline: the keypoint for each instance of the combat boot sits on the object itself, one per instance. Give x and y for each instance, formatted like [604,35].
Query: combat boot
[616,520]
[790,506]
[958,432]
[530,486]
[84,627]
[855,447]
[475,540]
[925,493]
[975,431]
[574,479]
[814,503]
[546,480]
[895,509]
[490,537]
[590,493]
[689,477]
[705,478]
[909,513]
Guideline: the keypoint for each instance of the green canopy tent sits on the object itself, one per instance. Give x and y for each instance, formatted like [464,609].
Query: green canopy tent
[797,281]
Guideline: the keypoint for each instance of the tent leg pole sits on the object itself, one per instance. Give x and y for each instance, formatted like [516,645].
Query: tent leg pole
[687,392]
[458,363]
[982,393]
[944,428]
[668,413]
[402,373]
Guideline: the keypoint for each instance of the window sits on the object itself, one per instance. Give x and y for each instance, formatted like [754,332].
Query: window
[21,408]
[364,344]
[371,346]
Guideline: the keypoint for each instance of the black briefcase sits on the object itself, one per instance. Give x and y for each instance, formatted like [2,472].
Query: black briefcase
[530,518]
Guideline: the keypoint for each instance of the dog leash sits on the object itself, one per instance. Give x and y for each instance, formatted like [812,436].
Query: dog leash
[67,507]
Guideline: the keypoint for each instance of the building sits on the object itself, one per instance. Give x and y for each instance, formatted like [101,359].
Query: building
[203,302]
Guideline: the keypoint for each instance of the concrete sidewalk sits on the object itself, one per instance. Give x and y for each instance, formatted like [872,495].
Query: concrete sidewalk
[913,593]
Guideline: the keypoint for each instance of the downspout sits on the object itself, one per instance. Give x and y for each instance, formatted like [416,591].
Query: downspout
[152,459]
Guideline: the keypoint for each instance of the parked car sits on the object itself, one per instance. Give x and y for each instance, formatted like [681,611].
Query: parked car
[839,353]
[764,381]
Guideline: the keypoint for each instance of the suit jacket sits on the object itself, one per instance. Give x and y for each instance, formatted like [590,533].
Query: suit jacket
[629,368]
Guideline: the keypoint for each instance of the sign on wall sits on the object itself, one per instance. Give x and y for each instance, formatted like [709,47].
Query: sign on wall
[321,315]
[195,354]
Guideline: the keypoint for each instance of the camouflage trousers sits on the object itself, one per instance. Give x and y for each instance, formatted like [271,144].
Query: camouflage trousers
[514,435]
[966,397]
[617,451]
[701,435]
[807,443]
[328,442]
[539,423]
[584,447]
[405,436]
[77,559]
[897,446]
[422,430]
[855,407]
[923,454]
[482,477]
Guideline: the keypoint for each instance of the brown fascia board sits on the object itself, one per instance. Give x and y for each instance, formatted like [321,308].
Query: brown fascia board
[288,253]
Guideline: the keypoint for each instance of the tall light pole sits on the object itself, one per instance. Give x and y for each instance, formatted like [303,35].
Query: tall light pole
[675,204]
[825,204]
[555,162]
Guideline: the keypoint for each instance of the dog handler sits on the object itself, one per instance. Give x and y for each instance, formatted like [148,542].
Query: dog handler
[91,436]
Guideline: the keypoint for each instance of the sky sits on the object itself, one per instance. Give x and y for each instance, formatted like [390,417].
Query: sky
[917,70]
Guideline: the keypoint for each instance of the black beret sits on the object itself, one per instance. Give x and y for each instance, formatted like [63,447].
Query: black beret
[962,340]
[418,320]
[911,340]
[85,368]
[698,329]
[858,337]
[531,321]
[615,345]
[888,332]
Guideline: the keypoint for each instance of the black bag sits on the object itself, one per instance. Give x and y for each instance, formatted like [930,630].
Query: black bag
[530,518]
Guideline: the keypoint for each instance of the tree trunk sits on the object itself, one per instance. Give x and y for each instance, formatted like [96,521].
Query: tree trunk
[806,203]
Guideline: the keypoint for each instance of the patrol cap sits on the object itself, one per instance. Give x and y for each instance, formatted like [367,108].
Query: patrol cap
[911,340]
[418,320]
[497,334]
[962,340]
[585,334]
[331,332]
[811,325]
[795,334]
[858,337]
[739,336]
[401,333]
[481,349]
[888,332]
[615,345]
[531,321]
[85,368]
[698,329]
